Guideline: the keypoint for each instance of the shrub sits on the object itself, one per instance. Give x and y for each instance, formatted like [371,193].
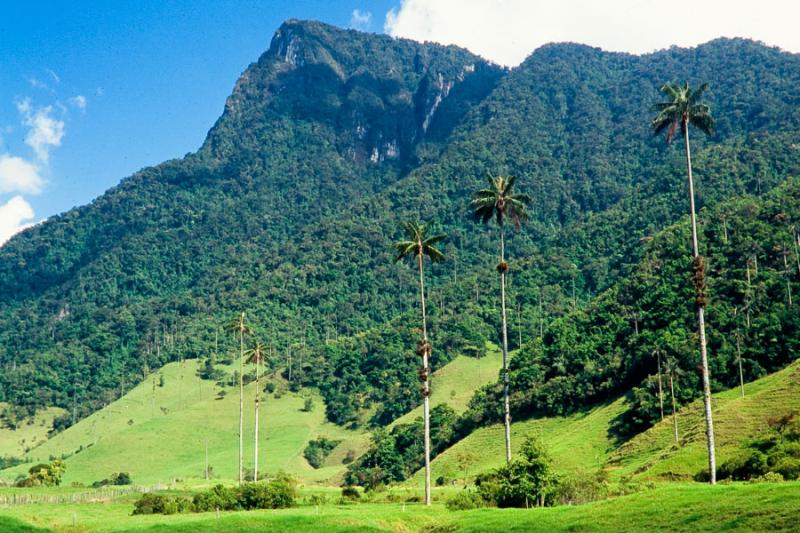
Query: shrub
[769,477]
[119,478]
[317,499]
[744,467]
[318,450]
[465,500]
[788,468]
[308,404]
[522,483]
[350,493]
[150,504]
[580,488]
[47,474]
[218,498]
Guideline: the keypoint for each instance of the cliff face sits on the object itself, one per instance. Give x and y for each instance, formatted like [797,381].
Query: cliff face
[380,95]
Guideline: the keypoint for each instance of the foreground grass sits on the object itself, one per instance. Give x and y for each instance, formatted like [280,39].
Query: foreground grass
[677,507]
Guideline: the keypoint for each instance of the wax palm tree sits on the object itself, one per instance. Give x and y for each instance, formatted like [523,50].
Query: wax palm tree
[256,356]
[239,327]
[657,353]
[681,109]
[498,201]
[418,244]
[673,371]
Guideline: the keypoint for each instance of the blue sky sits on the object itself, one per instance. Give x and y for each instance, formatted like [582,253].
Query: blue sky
[91,92]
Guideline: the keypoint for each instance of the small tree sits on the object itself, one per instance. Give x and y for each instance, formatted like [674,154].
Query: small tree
[525,482]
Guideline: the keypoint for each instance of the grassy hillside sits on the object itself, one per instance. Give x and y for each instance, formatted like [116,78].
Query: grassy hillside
[582,441]
[577,442]
[694,508]
[737,421]
[32,432]
[456,382]
[160,433]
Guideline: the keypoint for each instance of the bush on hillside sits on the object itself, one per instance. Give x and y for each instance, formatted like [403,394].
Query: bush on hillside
[118,478]
[46,474]
[318,450]
[525,482]
[465,500]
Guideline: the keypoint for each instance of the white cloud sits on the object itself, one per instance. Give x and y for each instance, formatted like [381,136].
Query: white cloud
[45,131]
[360,20]
[506,31]
[78,101]
[18,175]
[37,84]
[15,216]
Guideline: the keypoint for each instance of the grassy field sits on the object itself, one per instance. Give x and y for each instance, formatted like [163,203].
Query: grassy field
[159,434]
[673,507]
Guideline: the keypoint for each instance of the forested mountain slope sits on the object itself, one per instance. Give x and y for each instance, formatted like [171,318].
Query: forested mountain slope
[330,139]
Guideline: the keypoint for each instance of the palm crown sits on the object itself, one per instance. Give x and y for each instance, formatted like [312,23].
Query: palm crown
[499,201]
[256,354]
[238,325]
[418,243]
[682,107]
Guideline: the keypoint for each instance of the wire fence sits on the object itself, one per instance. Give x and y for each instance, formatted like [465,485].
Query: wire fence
[92,496]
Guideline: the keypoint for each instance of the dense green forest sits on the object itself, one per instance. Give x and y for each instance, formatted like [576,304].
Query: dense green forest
[288,210]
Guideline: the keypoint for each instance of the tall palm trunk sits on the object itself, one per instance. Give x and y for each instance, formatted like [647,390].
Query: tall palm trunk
[674,412]
[712,469]
[241,400]
[739,360]
[506,409]
[258,401]
[660,390]
[426,390]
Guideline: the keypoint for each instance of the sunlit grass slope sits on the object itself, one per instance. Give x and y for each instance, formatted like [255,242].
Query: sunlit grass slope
[578,442]
[455,383]
[160,433]
[582,442]
[737,421]
[16,443]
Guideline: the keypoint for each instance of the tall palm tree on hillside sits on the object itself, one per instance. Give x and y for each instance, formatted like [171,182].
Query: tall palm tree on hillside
[418,244]
[498,201]
[673,371]
[256,356]
[239,327]
[681,109]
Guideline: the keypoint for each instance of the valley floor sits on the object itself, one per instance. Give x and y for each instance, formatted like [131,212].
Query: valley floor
[670,507]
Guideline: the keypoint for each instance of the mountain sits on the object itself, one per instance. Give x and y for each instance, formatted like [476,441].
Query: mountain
[330,139]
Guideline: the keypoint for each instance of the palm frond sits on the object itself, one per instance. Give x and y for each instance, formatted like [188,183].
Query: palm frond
[683,106]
